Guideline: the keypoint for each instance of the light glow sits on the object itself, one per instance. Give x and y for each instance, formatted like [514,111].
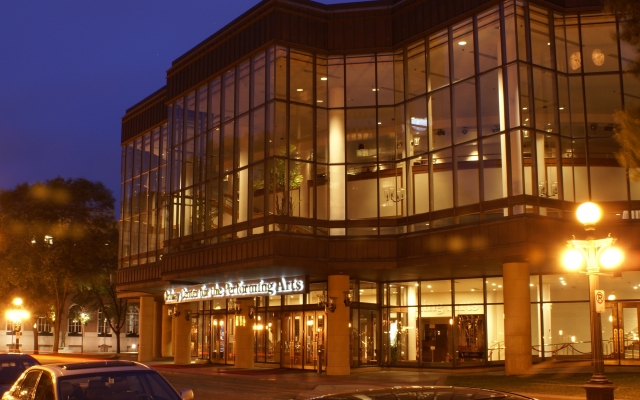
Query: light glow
[611,257]
[588,213]
[572,259]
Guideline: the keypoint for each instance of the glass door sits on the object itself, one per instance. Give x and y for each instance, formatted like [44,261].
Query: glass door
[217,339]
[292,340]
[620,340]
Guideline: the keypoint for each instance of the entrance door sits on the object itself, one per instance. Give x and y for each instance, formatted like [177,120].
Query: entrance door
[620,342]
[217,339]
[292,340]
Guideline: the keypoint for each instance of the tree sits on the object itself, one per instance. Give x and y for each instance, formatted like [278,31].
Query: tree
[53,237]
[99,293]
[627,131]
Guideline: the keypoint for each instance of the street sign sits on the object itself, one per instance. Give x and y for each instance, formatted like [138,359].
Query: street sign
[599,301]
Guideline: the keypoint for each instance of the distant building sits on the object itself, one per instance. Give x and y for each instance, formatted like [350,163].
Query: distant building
[369,179]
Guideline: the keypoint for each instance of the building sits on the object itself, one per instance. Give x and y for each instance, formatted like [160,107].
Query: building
[385,183]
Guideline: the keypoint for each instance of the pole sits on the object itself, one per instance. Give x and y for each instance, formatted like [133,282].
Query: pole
[596,335]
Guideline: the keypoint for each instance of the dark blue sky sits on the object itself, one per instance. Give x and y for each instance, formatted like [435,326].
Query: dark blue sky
[70,69]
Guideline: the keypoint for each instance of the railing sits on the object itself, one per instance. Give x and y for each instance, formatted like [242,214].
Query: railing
[561,349]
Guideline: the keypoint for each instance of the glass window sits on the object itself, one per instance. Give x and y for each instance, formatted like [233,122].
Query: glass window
[386,134]
[495,186]
[292,299]
[229,95]
[463,51]
[440,117]
[540,40]
[257,187]
[281,73]
[442,177]
[438,60]
[368,292]
[384,88]
[398,76]
[417,124]
[43,325]
[420,184]
[301,85]
[190,116]
[565,287]
[214,102]
[361,81]
[259,79]
[242,142]
[546,108]
[244,71]
[495,333]
[435,292]
[489,46]
[362,186]
[602,93]
[103,324]
[467,174]
[335,79]
[465,126]
[300,132]
[600,47]
[322,79]
[133,320]
[567,324]
[494,290]
[491,108]
[469,291]
[416,70]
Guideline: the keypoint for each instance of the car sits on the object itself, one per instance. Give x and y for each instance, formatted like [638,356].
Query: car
[425,393]
[95,380]
[11,366]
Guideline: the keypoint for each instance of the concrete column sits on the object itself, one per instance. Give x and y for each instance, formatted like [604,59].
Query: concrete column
[244,340]
[337,340]
[145,342]
[182,334]
[517,318]
[167,332]
[157,329]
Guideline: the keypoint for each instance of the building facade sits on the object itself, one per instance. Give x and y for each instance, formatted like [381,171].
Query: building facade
[381,183]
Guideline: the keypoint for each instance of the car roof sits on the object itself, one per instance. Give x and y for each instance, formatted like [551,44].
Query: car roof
[81,368]
[16,356]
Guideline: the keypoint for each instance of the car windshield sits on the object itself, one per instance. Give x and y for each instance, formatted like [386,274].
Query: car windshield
[10,369]
[121,385]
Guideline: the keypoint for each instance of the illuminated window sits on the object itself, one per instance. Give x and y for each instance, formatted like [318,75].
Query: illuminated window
[133,318]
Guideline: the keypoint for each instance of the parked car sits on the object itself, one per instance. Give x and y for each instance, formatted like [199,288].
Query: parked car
[11,366]
[98,380]
[426,393]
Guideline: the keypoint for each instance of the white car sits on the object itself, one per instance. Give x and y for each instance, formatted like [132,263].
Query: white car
[98,380]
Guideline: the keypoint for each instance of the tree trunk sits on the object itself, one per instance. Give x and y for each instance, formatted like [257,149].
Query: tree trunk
[117,341]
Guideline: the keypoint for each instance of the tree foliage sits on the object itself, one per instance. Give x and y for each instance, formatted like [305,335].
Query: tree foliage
[627,131]
[54,236]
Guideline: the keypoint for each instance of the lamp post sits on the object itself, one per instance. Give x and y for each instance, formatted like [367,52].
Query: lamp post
[16,315]
[592,254]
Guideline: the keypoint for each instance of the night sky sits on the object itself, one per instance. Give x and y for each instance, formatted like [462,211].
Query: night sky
[69,70]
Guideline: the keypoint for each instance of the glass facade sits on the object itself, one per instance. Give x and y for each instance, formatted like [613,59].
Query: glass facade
[289,140]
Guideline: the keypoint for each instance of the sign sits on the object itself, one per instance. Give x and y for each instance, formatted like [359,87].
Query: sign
[599,301]
[263,287]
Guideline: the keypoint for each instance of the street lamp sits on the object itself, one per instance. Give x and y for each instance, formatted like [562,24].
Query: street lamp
[16,315]
[595,253]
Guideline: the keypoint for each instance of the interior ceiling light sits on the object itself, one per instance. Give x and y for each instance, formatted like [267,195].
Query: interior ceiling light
[324,78]
[462,43]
